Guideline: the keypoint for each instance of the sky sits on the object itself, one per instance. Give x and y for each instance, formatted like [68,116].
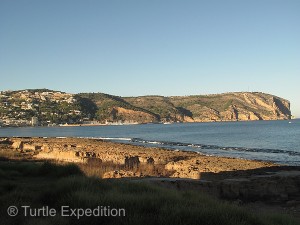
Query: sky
[157,47]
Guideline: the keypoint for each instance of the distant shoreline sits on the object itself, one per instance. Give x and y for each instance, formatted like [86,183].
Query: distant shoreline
[46,107]
[168,123]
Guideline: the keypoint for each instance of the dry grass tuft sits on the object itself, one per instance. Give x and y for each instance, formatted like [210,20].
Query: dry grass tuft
[97,168]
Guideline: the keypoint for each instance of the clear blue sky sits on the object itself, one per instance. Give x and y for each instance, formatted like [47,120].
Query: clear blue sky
[165,47]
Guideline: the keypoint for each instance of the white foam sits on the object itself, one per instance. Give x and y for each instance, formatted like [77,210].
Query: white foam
[115,138]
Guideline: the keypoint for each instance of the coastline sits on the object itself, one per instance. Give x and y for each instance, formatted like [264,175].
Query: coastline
[226,178]
[168,123]
[183,164]
[200,139]
[137,123]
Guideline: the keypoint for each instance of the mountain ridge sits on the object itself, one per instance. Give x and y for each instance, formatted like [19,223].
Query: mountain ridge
[54,107]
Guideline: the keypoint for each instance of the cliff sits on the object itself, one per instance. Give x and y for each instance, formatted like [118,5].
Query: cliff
[58,107]
[239,106]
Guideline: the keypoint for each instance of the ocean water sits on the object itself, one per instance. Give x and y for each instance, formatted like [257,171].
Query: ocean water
[276,141]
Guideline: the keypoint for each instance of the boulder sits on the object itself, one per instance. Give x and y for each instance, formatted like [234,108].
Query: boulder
[18,145]
[132,162]
[150,161]
[5,141]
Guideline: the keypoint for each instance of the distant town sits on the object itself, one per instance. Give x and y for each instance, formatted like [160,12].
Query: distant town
[36,107]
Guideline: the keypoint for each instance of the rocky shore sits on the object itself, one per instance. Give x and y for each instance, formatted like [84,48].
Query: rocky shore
[180,164]
[230,178]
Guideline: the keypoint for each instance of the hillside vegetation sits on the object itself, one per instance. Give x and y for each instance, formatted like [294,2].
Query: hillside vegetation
[199,108]
[54,107]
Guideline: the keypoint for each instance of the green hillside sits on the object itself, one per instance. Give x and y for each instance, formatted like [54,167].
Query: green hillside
[55,107]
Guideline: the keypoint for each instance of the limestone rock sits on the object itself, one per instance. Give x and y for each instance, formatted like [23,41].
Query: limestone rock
[120,174]
[132,162]
[17,145]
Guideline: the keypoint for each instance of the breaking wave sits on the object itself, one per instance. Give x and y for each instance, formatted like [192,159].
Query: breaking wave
[207,147]
[191,146]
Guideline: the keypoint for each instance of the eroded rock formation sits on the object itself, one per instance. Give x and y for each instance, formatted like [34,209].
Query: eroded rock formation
[179,163]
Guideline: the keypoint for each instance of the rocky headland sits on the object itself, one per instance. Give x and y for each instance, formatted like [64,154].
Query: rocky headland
[238,106]
[46,107]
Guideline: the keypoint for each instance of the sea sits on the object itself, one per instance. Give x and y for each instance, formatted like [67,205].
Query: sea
[275,141]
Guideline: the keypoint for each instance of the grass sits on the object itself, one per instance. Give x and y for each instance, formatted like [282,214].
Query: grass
[46,184]
[6,153]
